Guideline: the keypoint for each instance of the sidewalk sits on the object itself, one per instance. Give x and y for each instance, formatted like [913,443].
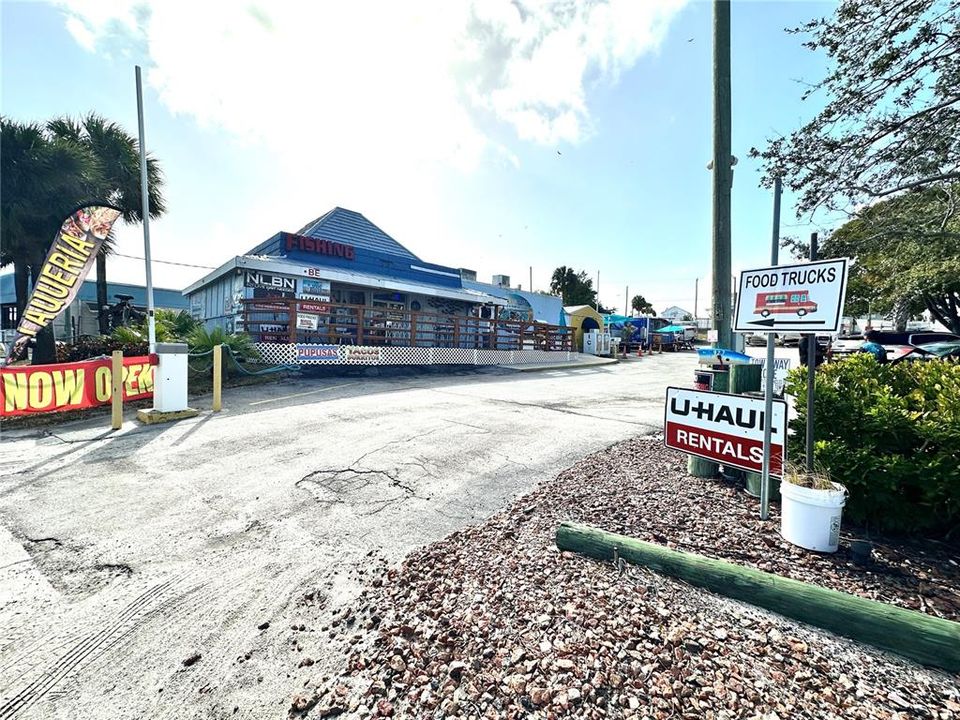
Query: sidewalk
[581,361]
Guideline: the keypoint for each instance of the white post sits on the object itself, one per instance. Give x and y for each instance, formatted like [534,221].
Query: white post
[144,191]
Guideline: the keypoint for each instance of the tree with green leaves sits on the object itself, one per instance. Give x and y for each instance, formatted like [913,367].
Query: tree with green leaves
[906,257]
[891,118]
[42,179]
[576,288]
[639,304]
[49,170]
[117,179]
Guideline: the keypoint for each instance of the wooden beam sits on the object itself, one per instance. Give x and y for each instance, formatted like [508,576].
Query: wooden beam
[923,638]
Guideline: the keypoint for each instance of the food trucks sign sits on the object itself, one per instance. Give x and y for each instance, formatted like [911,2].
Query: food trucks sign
[727,429]
[801,298]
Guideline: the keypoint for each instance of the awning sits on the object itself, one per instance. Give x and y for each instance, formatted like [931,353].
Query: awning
[284,267]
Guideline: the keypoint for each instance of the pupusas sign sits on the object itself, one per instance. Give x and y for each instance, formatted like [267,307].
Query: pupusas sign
[727,429]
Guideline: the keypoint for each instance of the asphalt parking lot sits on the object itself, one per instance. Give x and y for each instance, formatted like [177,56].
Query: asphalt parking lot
[123,555]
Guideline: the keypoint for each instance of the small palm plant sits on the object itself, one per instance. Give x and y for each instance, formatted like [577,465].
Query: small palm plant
[237,346]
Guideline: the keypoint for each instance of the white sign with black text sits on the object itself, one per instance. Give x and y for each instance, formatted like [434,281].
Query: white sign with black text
[802,298]
[725,428]
[780,368]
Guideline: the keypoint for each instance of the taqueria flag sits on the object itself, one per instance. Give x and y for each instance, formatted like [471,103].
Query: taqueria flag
[70,258]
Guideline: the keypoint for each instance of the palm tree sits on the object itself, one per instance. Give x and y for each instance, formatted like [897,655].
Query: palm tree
[42,179]
[117,157]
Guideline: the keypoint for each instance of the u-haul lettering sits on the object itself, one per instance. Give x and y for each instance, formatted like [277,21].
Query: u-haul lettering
[727,429]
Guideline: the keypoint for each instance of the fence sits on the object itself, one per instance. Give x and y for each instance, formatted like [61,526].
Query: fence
[277,320]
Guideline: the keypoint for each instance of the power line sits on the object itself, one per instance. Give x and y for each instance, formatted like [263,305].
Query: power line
[165,262]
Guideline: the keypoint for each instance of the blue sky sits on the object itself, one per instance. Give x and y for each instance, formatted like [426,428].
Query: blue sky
[479,136]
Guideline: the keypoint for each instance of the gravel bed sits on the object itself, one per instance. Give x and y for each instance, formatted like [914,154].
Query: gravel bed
[495,622]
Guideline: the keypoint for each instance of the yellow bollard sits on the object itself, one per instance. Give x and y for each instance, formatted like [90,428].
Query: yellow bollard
[116,397]
[217,376]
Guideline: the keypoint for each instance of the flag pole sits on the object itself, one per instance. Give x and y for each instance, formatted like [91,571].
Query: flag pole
[144,192]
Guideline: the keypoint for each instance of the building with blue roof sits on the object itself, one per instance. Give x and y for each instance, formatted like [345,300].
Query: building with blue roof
[81,316]
[341,279]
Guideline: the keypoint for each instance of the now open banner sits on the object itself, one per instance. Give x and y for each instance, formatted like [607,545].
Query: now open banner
[71,386]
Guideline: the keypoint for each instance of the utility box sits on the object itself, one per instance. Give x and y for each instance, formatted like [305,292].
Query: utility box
[170,378]
[591,342]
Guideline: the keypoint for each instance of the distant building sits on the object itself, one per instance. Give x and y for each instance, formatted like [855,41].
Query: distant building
[676,313]
[80,317]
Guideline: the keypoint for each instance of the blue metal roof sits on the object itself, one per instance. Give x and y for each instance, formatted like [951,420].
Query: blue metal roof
[346,226]
[546,308]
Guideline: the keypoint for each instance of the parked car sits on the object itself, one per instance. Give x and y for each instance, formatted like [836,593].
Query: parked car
[896,344]
[788,339]
[846,345]
[943,350]
[756,339]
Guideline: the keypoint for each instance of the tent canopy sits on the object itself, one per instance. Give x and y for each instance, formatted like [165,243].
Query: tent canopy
[671,329]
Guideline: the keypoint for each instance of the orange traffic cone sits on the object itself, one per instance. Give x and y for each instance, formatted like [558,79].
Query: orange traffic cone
[640,350]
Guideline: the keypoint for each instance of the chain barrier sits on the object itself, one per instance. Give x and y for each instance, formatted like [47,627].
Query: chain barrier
[230,353]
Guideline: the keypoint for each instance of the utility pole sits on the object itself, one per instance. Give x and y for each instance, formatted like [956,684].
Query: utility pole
[722,173]
[531,278]
[598,291]
[696,315]
[626,301]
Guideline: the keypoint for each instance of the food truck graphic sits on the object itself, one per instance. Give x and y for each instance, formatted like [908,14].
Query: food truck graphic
[784,301]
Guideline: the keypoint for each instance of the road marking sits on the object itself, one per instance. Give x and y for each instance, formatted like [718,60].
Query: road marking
[309,392]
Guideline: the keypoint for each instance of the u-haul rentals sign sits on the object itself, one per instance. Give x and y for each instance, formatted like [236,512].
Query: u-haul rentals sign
[727,429]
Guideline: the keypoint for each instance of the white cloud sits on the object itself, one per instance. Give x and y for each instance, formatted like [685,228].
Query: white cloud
[415,79]
[371,105]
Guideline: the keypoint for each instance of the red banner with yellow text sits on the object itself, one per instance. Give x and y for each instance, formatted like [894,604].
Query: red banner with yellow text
[71,386]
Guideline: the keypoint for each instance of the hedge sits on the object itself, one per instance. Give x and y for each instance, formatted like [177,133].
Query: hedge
[891,434]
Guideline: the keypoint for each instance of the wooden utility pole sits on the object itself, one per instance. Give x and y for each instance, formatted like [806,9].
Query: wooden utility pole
[722,173]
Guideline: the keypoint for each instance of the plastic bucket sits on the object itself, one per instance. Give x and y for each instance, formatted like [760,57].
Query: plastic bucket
[810,518]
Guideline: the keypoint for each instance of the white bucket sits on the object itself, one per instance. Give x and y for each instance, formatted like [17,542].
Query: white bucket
[810,518]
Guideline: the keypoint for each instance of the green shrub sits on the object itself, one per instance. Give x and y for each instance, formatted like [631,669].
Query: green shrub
[891,434]
[93,346]
[169,326]
[240,346]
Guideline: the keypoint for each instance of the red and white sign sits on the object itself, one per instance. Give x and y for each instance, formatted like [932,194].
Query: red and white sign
[727,429]
[28,389]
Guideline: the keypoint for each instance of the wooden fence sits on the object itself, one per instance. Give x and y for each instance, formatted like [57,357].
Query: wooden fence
[276,320]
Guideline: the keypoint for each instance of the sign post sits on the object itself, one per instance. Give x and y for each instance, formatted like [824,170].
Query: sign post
[806,298]
[768,385]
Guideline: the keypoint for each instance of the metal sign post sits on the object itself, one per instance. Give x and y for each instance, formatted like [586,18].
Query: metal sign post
[768,386]
[811,371]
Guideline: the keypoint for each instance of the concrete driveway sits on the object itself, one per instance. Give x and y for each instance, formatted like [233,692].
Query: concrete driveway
[123,555]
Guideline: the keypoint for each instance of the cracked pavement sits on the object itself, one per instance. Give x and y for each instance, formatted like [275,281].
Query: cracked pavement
[124,554]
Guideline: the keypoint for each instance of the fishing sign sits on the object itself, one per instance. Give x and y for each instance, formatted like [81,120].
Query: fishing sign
[727,429]
[801,298]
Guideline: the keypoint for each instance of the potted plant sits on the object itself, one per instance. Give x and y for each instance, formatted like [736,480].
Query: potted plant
[810,509]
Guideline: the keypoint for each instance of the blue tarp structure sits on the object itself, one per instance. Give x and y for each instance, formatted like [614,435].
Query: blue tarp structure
[671,329]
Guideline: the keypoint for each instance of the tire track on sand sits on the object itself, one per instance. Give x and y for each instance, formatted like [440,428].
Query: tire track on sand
[89,647]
